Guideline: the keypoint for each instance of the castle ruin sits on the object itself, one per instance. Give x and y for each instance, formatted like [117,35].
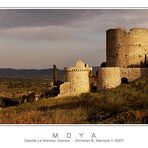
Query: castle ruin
[126,60]
[76,80]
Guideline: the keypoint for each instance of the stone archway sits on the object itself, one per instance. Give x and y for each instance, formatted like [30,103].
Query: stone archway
[93,87]
[124,80]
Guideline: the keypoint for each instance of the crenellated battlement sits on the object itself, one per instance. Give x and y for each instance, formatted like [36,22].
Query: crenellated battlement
[75,69]
[80,66]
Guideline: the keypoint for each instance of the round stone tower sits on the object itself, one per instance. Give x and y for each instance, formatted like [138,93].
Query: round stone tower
[76,80]
[109,77]
[115,49]
[78,77]
[138,49]
[126,49]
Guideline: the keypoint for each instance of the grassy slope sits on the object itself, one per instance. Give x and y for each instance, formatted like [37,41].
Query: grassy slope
[21,85]
[124,104]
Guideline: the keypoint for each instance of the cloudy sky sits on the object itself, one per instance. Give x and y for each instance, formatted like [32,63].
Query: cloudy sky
[40,38]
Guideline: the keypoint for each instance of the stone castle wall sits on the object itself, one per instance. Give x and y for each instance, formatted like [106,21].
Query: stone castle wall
[133,73]
[64,89]
[124,49]
[79,81]
[76,80]
[109,77]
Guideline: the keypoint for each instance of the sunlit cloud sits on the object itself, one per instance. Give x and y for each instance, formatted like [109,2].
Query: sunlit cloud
[40,38]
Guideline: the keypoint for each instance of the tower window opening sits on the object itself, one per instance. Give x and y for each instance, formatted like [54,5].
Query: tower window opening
[93,87]
[124,80]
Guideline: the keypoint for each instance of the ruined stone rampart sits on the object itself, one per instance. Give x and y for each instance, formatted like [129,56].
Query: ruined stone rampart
[125,49]
[133,73]
[126,60]
[110,77]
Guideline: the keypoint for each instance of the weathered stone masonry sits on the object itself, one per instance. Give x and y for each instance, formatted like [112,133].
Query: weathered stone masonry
[125,49]
[76,80]
[125,52]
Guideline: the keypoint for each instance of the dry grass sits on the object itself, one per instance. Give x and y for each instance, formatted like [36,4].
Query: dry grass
[14,87]
[125,104]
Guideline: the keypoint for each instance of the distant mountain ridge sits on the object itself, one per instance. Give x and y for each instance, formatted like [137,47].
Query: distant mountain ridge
[10,72]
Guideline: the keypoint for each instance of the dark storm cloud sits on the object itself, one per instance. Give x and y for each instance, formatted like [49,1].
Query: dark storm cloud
[60,17]
[41,17]
[67,24]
